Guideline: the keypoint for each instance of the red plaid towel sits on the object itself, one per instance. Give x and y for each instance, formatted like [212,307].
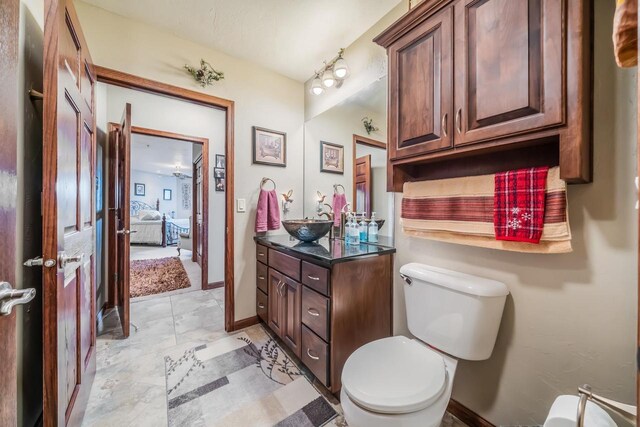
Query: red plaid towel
[519,204]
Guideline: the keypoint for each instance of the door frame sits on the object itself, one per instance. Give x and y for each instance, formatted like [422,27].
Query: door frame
[130,81]
[362,140]
[204,142]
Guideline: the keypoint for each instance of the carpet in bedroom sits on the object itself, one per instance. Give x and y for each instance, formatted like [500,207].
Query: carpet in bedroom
[155,276]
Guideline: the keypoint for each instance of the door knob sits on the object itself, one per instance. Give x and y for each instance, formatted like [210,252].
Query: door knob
[125,231]
[10,297]
[64,259]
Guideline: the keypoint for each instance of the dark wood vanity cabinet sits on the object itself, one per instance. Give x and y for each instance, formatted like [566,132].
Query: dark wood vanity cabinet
[469,78]
[324,312]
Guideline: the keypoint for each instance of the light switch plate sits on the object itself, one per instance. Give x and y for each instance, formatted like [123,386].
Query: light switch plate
[241,205]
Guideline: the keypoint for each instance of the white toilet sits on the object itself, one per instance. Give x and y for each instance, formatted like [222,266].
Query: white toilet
[406,382]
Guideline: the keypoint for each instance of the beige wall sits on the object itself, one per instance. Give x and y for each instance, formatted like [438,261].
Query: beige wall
[570,318]
[262,98]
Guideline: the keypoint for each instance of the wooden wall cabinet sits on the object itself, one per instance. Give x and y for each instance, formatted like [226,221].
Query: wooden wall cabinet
[321,311]
[470,78]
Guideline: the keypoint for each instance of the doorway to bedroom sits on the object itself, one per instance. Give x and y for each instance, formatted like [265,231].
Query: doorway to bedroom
[168,218]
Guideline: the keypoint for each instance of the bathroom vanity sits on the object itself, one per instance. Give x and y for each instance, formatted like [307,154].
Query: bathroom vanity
[324,299]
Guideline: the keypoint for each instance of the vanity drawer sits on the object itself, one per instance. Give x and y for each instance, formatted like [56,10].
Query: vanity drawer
[315,312]
[262,304]
[261,254]
[315,277]
[285,264]
[315,355]
[262,275]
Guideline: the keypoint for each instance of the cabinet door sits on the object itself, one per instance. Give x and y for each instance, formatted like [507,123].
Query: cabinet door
[421,88]
[292,323]
[276,301]
[509,77]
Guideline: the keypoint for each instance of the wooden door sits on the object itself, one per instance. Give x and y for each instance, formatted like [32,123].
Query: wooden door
[362,184]
[508,67]
[276,301]
[123,200]
[198,216]
[292,324]
[9,12]
[68,214]
[421,88]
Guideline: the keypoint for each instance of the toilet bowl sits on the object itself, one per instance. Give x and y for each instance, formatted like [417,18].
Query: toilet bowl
[396,381]
[399,381]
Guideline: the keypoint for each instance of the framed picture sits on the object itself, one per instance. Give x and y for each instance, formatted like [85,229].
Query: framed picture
[219,176]
[220,161]
[166,194]
[269,147]
[138,189]
[331,157]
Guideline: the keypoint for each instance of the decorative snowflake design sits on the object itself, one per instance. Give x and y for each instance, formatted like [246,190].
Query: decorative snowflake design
[527,216]
[515,211]
[513,223]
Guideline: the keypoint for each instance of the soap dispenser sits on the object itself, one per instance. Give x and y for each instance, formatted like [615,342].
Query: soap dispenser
[355,229]
[363,229]
[373,229]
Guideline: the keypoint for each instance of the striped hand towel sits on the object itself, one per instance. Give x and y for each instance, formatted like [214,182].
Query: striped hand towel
[461,210]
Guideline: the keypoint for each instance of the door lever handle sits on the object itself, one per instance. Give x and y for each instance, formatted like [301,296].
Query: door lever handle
[10,297]
[64,259]
[125,231]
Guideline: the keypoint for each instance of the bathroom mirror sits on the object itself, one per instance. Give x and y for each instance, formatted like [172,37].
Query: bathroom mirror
[346,153]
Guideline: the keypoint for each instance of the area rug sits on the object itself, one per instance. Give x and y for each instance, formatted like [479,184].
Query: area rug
[244,379]
[155,276]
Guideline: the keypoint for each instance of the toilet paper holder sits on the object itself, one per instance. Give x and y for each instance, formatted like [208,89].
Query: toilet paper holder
[628,412]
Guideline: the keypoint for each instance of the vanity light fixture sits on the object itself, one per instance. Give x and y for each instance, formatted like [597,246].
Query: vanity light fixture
[331,75]
[316,86]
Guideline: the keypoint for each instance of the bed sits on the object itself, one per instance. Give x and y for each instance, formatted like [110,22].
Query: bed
[150,227]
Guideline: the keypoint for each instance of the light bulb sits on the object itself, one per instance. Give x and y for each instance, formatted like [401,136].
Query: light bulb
[340,69]
[327,78]
[316,86]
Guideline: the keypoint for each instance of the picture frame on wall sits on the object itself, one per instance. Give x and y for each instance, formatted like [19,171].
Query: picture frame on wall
[138,189]
[219,177]
[166,194]
[220,161]
[269,147]
[331,158]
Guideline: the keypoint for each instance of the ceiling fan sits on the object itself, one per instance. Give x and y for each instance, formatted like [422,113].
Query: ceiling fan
[179,174]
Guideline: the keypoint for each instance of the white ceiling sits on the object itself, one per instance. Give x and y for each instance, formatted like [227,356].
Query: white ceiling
[291,37]
[160,155]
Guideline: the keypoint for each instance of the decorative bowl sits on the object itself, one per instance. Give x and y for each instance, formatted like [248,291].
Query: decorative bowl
[307,230]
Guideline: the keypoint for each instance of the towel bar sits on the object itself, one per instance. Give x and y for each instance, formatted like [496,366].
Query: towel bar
[265,180]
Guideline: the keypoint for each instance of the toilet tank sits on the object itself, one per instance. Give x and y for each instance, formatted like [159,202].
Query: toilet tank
[454,312]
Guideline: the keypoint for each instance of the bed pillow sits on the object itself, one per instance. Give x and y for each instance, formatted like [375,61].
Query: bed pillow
[149,215]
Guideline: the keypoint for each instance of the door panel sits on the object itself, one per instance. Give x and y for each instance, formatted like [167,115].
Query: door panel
[362,184]
[421,89]
[123,189]
[68,211]
[9,11]
[508,62]
[291,312]
[198,217]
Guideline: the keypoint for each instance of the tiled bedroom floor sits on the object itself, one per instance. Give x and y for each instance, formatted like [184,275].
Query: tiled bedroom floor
[129,388]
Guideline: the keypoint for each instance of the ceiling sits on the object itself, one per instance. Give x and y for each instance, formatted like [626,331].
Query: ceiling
[160,155]
[291,37]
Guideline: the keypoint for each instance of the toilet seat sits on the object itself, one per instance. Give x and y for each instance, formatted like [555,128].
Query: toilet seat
[395,375]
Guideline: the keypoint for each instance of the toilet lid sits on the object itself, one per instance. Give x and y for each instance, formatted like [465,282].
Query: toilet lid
[395,375]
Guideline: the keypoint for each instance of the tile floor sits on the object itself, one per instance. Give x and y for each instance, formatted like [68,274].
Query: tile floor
[129,388]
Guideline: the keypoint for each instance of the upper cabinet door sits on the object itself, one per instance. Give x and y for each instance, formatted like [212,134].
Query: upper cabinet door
[421,88]
[509,75]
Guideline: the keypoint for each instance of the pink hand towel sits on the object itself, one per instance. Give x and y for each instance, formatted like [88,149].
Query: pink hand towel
[268,211]
[273,212]
[339,202]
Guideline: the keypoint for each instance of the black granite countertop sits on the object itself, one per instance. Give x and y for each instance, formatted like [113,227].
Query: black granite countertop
[325,250]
